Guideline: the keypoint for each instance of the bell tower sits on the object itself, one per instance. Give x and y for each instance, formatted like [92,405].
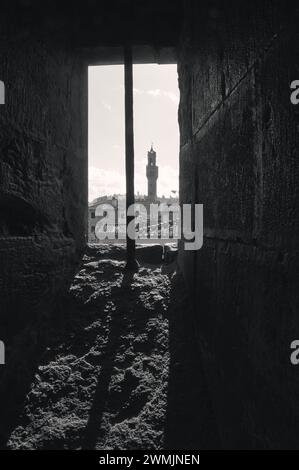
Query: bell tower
[151,174]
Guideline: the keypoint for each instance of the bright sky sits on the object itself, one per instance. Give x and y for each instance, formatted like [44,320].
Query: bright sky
[156,99]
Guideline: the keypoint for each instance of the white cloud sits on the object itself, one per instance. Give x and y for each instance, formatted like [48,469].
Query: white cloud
[107,106]
[168,180]
[156,96]
[156,92]
[137,91]
[107,182]
[172,96]
[103,182]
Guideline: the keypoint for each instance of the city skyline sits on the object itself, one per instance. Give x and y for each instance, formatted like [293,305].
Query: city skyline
[156,98]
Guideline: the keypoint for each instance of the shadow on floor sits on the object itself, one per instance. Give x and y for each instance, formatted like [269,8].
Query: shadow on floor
[145,368]
[117,327]
[25,353]
[189,417]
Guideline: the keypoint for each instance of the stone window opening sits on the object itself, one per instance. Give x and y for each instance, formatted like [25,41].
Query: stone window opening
[127,58]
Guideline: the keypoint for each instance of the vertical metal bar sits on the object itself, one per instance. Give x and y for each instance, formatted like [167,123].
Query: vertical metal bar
[129,129]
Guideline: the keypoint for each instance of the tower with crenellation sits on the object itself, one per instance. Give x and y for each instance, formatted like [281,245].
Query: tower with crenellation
[151,174]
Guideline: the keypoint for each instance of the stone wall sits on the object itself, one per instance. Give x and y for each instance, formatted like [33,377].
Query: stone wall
[44,53]
[45,48]
[43,169]
[43,192]
[239,153]
[239,141]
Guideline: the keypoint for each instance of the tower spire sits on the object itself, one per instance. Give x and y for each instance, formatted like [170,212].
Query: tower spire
[152,174]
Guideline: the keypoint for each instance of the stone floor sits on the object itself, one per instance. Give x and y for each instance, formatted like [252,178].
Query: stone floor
[123,370]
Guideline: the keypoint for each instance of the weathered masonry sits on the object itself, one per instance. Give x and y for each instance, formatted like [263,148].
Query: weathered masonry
[238,157]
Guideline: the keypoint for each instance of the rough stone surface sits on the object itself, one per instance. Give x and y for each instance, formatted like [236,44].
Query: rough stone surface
[239,141]
[119,373]
[239,145]
[45,51]
[43,170]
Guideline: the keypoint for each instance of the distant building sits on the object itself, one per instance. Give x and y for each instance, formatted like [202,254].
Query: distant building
[93,219]
[152,176]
